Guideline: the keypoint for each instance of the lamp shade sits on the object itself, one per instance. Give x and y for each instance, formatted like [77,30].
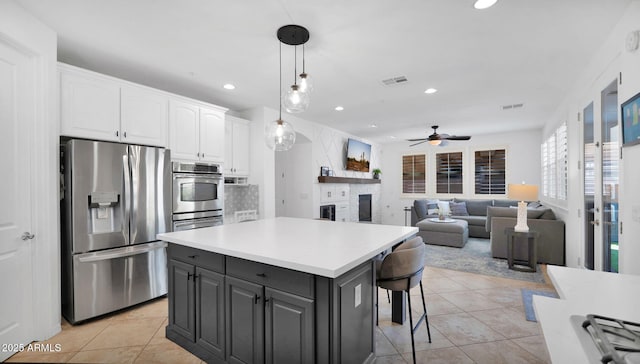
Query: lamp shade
[522,192]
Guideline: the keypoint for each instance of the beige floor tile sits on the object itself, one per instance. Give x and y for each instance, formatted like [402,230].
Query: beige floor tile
[74,338]
[111,355]
[535,345]
[471,301]
[507,296]
[391,359]
[156,308]
[436,305]
[464,329]
[40,357]
[508,322]
[439,356]
[123,333]
[477,281]
[160,337]
[166,353]
[443,284]
[384,347]
[400,337]
[499,352]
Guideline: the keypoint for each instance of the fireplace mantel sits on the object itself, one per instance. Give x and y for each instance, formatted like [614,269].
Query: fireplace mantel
[332,179]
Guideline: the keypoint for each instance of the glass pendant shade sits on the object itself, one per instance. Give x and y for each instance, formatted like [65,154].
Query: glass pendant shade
[295,101]
[280,136]
[305,83]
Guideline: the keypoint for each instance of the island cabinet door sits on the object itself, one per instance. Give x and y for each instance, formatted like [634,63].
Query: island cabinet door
[244,321]
[210,311]
[289,328]
[181,302]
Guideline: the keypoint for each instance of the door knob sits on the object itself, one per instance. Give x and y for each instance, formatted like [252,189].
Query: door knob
[595,222]
[27,236]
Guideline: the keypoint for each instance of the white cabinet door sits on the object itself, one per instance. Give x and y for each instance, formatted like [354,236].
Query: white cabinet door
[228,146]
[144,116]
[241,134]
[90,106]
[184,131]
[212,132]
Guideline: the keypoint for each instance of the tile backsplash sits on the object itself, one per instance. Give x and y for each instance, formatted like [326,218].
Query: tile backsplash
[240,198]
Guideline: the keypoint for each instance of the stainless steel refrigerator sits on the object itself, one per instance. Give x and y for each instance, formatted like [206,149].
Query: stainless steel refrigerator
[115,199]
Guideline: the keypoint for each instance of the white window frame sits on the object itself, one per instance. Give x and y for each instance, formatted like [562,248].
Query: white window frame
[465,174]
[554,165]
[472,177]
[426,173]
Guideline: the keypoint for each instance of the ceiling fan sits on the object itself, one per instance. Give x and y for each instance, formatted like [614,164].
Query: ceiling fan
[437,139]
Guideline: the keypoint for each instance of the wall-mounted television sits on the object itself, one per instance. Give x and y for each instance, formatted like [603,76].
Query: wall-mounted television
[358,156]
[631,121]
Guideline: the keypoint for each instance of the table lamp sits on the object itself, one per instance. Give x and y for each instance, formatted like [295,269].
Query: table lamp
[522,193]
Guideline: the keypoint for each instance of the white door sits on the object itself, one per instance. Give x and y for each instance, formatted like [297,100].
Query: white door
[241,135]
[17,119]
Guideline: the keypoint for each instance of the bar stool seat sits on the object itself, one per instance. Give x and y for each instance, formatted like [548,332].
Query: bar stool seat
[401,270]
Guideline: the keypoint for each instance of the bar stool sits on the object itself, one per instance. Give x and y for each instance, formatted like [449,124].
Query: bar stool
[401,270]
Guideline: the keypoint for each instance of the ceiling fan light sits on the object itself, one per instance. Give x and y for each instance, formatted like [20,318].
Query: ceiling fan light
[484,4]
[435,142]
[295,101]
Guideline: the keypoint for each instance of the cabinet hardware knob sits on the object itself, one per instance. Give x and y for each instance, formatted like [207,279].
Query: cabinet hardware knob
[256,299]
[189,275]
[27,236]
[125,134]
[261,275]
[193,256]
[117,133]
[202,155]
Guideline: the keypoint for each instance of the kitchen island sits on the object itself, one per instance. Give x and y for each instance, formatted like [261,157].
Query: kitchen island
[583,292]
[276,290]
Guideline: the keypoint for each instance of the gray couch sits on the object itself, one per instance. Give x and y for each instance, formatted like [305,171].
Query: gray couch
[476,214]
[550,244]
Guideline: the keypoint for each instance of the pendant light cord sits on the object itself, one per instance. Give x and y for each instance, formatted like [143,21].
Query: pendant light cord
[280,86]
[303,58]
[295,65]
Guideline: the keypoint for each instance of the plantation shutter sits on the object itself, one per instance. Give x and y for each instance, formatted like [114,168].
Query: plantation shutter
[449,172]
[414,173]
[490,172]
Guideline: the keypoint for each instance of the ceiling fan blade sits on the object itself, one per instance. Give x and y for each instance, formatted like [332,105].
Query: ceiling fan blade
[417,140]
[454,137]
[424,141]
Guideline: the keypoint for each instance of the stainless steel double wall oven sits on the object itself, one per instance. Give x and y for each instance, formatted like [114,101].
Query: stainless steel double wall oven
[198,195]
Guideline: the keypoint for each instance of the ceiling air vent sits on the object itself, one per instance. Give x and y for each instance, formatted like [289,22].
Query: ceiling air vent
[513,106]
[395,81]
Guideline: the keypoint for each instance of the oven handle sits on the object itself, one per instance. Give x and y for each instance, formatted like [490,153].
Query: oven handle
[121,253]
[196,224]
[204,177]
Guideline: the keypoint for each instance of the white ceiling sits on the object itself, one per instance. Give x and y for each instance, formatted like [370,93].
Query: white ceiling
[518,51]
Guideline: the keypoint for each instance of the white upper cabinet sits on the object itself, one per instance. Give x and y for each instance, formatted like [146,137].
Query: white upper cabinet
[196,133]
[144,116]
[95,106]
[237,133]
[212,141]
[89,105]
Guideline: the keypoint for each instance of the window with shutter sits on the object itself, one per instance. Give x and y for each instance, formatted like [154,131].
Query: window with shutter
[554,164]
[414,176]
[490,172]
[449,172]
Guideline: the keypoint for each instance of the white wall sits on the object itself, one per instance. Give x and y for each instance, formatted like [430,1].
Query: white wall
[328,148]
[523,164]
[610,60]
[294,193]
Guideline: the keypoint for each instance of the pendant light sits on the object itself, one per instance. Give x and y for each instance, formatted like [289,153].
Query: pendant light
[306,84]
[279,135]
[295,99]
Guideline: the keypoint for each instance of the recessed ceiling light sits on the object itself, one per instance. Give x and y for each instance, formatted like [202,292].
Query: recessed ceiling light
[430,91]
[373,126]
[229,86]
[483,4]
[339,108]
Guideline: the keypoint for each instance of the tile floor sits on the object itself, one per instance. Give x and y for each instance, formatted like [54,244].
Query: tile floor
[473,319]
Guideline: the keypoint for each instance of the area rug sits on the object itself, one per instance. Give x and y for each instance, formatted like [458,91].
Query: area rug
[527,300]
[475,257]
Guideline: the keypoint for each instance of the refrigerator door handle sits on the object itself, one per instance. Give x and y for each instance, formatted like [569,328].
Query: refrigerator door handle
[121,253]
[127,196]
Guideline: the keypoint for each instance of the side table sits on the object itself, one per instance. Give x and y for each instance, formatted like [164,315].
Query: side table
[531,238]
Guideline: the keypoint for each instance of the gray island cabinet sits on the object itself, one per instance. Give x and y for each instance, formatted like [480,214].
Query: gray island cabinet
[258,293]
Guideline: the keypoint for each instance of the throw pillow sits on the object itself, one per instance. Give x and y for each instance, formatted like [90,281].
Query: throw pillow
[534,205]
[420,207]
[432,208]
[459,209]
[444,208]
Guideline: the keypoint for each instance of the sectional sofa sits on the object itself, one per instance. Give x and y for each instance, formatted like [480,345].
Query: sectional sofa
[490,218]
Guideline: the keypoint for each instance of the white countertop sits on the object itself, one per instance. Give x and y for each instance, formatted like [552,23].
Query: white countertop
[321,247]
[583,292]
